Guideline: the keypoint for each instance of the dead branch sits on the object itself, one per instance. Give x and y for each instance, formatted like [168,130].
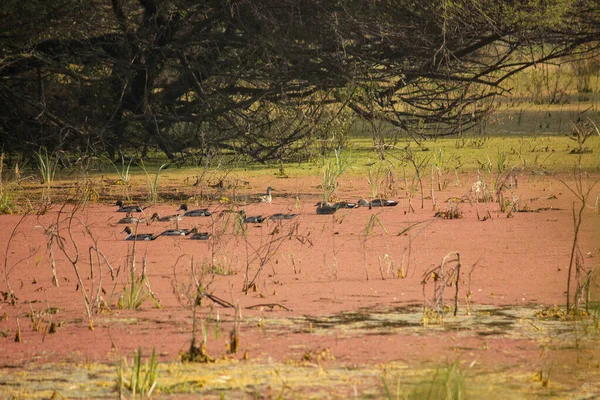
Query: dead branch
[270,306]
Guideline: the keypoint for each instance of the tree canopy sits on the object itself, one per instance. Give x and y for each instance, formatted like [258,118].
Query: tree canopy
[264,78]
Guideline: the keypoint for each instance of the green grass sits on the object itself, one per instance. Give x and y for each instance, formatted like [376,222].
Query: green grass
[47,165]
[123,170]
[450,156]
[136,292]
[332,170]
[447,383]
[152,185]
[535,152]
[139,378]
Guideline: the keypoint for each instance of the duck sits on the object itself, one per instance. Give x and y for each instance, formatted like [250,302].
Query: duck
[130,219]
[363,203]
[124,208]
[254,219]
[138,236]
[383,203]
[345,204]
[267,198]
[202,212]
[377,203]
[175,217]
[328,208]
[279,216]
[324,208]
[176,232]
[199,235]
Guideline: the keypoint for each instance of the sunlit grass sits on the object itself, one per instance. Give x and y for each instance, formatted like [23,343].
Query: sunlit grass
[536,153]
[453,157]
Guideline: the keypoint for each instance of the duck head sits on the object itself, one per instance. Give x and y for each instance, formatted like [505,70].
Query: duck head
[363,202]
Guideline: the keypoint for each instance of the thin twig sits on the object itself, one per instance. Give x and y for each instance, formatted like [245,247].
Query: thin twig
[271,306]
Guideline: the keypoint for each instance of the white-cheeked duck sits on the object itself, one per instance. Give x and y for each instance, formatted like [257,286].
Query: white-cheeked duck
[138,236]
[128,208]
[202,212]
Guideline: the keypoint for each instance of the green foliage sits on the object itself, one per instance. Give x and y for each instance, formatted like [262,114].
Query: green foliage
[152,185]
[501,162]
[47,165]
[332,170]
[123,170]
[139,378]
[136,293]
[155,183]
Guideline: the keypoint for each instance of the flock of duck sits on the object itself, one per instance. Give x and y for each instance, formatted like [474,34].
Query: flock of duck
[323,208]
